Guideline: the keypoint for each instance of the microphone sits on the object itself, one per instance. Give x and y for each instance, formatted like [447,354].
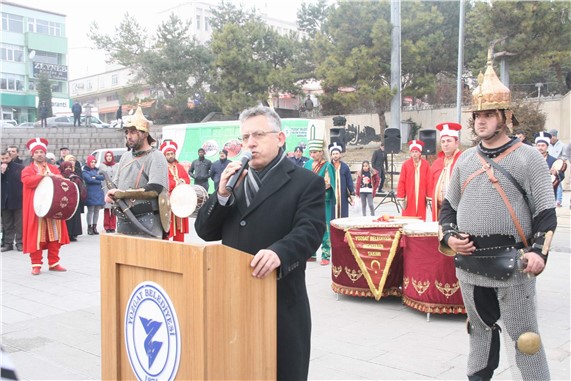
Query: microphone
[246,157]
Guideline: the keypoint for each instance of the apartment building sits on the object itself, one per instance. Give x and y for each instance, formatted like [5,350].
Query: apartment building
[33,42]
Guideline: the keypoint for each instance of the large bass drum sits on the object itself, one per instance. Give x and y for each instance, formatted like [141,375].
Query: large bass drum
[56,198]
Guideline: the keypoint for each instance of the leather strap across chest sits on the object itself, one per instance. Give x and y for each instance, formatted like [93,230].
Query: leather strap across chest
[488,169]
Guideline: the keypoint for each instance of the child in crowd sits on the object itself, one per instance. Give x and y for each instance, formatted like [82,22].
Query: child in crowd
[366,186]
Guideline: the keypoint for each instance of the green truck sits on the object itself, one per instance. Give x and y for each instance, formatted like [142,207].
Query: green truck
[216,136]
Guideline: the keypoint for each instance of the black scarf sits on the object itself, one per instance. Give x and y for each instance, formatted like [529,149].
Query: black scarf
[254,179]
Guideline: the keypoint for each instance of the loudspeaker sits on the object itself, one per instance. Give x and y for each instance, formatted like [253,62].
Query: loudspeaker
[337,135]
[428,137]
[392,140]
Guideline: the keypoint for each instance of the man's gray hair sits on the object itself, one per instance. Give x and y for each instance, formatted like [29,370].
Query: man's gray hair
[269,113]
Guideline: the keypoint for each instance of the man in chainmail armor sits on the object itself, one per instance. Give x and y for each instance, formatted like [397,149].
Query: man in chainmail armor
[476,223]
[143,170]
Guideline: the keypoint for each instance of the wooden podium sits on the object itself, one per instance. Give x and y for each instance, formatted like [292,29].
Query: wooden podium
[227,318]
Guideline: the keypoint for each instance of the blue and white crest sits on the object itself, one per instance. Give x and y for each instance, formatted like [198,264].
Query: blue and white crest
[152,333]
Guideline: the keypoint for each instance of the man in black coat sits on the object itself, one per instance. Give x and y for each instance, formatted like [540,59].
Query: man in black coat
[380,162]
[11,189]
[246,220]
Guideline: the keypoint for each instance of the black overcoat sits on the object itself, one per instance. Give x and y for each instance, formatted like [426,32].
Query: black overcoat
[11,187]
[286,216]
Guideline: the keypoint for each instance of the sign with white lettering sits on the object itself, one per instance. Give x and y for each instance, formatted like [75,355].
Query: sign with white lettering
[54,71]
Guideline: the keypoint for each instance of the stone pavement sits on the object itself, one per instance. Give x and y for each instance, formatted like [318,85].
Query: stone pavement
[51,322]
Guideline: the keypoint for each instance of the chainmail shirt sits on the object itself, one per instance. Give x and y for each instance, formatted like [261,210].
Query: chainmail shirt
[481,210]
[155,170]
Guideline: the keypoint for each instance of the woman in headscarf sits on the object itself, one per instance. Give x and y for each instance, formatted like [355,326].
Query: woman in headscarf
[108,168]
[74,227]
[95,196]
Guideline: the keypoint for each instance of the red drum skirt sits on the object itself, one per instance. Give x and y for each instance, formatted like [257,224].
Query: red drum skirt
[366,257]
[429,280]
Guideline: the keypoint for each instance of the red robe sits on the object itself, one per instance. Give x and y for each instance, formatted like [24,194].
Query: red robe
[440,180]
[179,226]
[31,232]
[415,195]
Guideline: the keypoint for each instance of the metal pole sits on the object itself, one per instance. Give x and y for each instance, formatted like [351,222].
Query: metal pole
[395,64]
[459,87]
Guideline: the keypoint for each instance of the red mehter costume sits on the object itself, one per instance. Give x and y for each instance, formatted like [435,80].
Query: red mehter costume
[415,184]
[442,168]
[40,233]
[177,175]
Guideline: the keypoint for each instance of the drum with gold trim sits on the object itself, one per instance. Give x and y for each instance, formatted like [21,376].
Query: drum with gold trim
[366,257]
[201,197]
[429,277]
[56,198]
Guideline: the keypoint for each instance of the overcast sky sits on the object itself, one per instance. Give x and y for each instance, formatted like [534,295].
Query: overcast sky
[83,60]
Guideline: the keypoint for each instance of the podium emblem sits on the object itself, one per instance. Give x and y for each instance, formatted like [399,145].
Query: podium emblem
[152,333]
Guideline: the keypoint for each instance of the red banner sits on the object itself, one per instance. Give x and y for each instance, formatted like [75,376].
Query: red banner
[374,253]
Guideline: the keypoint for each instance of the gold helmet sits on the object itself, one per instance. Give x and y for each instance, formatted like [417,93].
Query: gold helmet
[138,121]
[492,94]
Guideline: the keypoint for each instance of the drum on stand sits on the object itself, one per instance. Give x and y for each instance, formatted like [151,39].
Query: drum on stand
[366,257]
[56,198]
[201,197]
[429,277]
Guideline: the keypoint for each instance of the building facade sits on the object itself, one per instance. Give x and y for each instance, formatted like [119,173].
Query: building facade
[33,42]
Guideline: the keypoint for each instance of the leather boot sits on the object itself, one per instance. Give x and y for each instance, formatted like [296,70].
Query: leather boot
[89,229]
[94,229]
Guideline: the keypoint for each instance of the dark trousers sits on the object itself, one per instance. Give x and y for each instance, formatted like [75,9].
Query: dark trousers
[382,176]
[12,224]
[76,119]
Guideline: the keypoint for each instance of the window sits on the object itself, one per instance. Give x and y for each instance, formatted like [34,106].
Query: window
[57,87]
[42,27]
[206,24]
[114,79]
[197,22]
[12,53]
[45,27]
[47,57]
[12,23]
[110,98]
[12,82]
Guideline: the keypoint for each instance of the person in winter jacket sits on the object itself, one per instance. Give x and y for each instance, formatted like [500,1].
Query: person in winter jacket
[95,196]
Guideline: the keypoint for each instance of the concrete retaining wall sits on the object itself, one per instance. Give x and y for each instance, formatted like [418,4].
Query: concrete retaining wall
[80,140]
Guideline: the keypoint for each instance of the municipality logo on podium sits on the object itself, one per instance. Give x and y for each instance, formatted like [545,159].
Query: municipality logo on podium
[152,333]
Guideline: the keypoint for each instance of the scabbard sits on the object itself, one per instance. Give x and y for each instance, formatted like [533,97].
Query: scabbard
[126,211]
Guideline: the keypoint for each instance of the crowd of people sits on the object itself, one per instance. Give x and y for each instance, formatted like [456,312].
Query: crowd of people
[280,208]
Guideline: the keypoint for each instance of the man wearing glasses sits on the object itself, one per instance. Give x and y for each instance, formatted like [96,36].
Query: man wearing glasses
[246,219]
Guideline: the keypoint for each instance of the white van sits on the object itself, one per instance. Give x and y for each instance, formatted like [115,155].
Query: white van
[117,152]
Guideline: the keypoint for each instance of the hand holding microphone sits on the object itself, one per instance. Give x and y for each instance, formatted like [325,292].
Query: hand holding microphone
[232,174]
